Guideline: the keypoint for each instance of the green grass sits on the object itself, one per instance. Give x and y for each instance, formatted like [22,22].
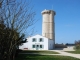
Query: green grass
[40,52]
[43,57]
[74,52]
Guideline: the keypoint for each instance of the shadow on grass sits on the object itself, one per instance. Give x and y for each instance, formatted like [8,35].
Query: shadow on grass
[43,57]
[39,51]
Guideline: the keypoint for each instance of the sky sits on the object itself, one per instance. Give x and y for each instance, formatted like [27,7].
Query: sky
[67,18]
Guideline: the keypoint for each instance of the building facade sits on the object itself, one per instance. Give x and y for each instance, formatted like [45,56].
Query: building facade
[38,42]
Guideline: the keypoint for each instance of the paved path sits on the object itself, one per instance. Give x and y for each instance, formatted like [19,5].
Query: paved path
[67,54]
[61,53]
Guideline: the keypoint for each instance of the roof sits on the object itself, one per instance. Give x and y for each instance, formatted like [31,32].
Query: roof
[36,36]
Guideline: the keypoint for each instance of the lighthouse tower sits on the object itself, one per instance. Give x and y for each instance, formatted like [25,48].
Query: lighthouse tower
[48,24]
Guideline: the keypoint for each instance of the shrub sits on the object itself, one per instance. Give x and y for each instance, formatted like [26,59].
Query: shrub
[77,45]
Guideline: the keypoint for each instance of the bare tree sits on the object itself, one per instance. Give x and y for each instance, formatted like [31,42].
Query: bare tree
[15,16]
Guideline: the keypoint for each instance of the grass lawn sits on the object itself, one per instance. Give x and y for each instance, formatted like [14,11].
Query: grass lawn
[40,52]
[43,57]
[75,52]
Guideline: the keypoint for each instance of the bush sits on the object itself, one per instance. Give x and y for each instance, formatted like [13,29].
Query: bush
[17,52]
[77,45]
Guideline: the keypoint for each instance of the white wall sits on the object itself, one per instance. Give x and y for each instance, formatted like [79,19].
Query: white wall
[25,45]
[30,43]
[44,43]
[50,44]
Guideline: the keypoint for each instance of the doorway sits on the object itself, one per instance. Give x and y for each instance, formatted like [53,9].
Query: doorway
[37,47]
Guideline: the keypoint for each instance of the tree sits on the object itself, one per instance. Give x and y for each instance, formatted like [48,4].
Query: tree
[15,16]
[77,45]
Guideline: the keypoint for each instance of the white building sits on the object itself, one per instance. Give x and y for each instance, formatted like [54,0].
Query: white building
[38,42]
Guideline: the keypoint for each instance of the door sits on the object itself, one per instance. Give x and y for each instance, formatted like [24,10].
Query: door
[37,47]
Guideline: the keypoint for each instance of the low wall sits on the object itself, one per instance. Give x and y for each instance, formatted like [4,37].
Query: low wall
[60,46]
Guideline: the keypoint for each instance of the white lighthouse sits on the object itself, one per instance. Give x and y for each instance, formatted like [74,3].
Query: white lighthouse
[48,24]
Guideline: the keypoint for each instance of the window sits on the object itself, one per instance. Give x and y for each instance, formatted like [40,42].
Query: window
[41,40]
[41,46]
[33,46]
[34,40]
